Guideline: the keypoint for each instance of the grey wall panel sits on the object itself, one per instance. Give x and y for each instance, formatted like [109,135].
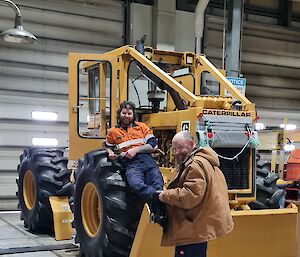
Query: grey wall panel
[33,57]
[8,188]
[14,83]
[141,23]
[88,36]
[106,9]
[23,138]
[270,4]
[184,31]
[23,112]
[35,77]
[25,70]
[267,59]
[31,100]
[61,47]
[9,158]
[274,117]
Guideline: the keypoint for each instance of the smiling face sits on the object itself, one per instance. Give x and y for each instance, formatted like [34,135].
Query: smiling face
[182,147]
[126,117]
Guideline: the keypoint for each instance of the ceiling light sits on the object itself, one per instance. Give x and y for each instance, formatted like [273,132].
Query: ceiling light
[18,34]
[259,126]
[289,147]
[288,126]
[44,141]
[38,115]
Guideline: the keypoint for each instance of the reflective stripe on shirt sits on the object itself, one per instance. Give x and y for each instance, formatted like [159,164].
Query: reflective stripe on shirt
[130,143]
[108,144]
[134,142]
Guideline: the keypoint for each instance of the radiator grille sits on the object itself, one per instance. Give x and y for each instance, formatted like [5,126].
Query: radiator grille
[236,172]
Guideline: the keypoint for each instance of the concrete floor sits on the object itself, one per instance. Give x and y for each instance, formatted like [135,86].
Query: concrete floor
[14,235]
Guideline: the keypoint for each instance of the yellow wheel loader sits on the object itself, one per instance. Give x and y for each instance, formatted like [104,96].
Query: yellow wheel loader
[173,91]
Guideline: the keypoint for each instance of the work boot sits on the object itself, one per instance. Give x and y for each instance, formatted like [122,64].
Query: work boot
[158,212]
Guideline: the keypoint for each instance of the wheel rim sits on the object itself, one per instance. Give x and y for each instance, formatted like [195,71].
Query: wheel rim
[29,190]
[91,210]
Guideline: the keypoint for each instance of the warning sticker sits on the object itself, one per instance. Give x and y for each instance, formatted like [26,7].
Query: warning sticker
[185,125]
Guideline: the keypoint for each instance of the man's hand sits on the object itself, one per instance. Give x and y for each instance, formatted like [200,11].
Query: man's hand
[160,196]
[111,154]
[131,152]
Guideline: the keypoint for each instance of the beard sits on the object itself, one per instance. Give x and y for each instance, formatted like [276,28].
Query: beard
[178,161]
[125,122]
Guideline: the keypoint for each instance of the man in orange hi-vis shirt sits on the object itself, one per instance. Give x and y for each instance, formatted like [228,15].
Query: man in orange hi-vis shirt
[135,141]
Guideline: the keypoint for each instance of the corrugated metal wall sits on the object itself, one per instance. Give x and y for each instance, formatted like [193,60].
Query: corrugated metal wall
[34,77]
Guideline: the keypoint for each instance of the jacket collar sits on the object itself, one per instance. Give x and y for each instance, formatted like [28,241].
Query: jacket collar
[187,161]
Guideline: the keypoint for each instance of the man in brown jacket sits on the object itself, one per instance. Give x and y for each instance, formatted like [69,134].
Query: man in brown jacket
[196,199]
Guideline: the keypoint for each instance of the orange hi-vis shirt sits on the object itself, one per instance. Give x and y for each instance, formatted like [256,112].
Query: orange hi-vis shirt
[135,135]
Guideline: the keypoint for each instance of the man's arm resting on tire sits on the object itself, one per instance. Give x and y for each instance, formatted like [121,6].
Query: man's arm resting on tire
[110,152]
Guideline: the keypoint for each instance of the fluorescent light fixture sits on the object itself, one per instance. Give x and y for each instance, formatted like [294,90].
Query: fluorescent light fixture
[37,115]
[289,147]
[44,141]
[259,126]
[288,126]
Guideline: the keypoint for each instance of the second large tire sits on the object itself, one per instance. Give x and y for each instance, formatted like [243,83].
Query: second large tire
[268,196]
[42,173]
[106,213]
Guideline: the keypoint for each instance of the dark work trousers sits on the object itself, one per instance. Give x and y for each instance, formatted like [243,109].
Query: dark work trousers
[143,176]
[192,250]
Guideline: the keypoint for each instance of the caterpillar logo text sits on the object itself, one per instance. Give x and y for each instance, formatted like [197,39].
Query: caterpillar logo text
[226,113]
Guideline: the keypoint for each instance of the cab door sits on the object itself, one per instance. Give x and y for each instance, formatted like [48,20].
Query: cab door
[92,101]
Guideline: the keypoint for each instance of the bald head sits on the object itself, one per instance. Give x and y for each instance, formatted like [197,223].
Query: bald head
[184,136]
[183,145]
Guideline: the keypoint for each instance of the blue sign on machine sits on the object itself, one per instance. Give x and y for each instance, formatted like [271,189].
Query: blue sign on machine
[239,83]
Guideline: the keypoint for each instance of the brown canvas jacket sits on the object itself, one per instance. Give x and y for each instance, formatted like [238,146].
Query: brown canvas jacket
[197,201]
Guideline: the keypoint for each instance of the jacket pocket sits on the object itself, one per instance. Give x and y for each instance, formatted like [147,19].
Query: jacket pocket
[182,228]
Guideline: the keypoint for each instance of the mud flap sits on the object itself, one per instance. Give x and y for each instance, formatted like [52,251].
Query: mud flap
[62,217]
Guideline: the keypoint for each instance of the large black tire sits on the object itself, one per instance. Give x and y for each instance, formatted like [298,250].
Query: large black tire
[268,195]
[42,173]
[106,213]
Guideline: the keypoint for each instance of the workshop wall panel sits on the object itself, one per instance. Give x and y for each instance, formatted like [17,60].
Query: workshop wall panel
[35,77]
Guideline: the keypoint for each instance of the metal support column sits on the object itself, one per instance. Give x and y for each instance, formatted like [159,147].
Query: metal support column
[285,13]
[163,29]
[199,25]
[233,37]
[126,26]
